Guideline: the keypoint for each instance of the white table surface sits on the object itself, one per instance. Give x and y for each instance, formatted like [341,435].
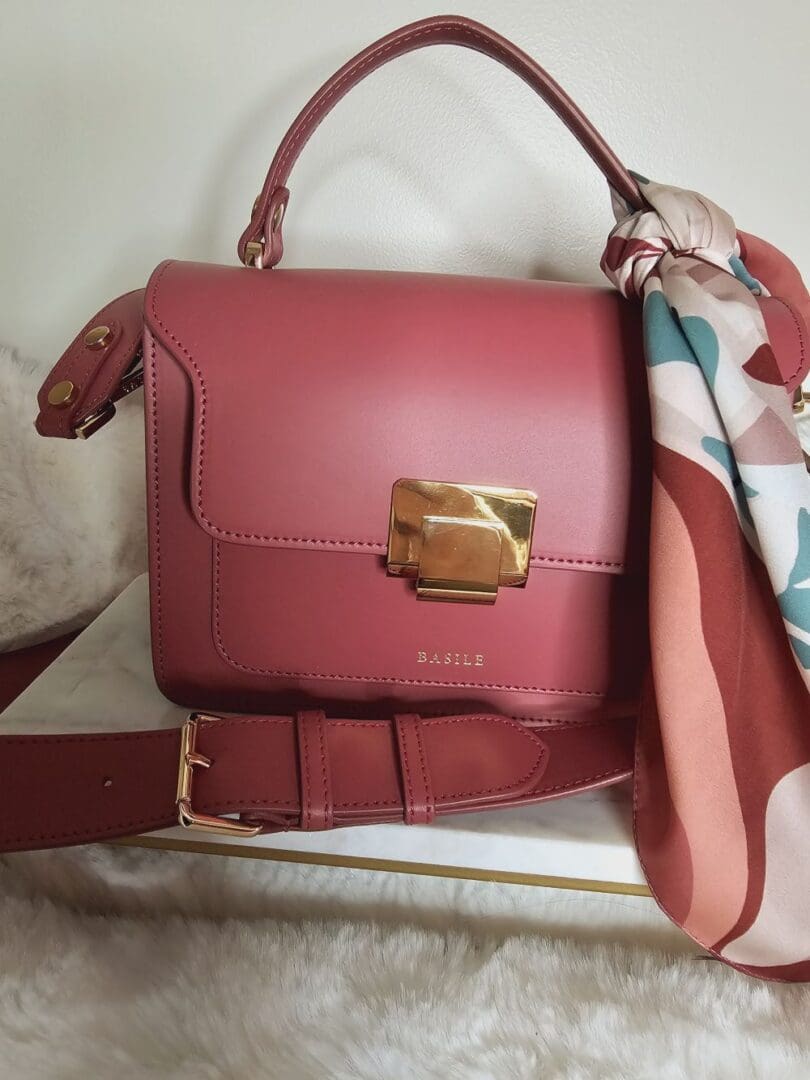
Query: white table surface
[104,681]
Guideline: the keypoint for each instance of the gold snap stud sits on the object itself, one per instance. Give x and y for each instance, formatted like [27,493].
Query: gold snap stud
[61,394]
[98,338]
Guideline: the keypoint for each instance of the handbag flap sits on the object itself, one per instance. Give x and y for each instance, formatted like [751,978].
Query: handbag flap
[315,390]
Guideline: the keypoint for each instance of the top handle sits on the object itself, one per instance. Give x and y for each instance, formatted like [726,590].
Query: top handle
[261,243]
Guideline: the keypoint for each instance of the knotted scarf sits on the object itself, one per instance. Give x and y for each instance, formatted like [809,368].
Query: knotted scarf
[722,796]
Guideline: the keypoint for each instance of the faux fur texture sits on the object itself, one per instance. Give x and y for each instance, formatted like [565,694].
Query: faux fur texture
[72,514]
[403,996]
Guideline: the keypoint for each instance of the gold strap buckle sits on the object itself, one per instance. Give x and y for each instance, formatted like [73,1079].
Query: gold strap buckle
[460,541]
[189,760]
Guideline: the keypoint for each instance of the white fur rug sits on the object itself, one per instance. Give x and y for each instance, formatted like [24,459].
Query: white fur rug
[329,973]
[117,962]
[72,514]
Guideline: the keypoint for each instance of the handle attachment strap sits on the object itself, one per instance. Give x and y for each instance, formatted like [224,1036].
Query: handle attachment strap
[96,370]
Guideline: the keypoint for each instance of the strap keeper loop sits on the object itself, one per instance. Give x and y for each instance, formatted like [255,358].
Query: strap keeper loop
[317,807]
[417,794]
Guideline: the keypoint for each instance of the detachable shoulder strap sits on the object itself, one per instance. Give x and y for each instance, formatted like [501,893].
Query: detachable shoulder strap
[250,774]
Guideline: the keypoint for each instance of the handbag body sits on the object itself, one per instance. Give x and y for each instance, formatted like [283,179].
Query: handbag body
[416,502]
[282,421]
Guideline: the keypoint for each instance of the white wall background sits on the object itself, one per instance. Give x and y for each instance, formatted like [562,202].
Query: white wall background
[134,130]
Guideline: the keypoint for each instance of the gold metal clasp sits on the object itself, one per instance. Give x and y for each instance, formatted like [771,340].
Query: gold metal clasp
[189,760]
[132,380]
[801,398]
[254,250]
[460,541]
[95,421]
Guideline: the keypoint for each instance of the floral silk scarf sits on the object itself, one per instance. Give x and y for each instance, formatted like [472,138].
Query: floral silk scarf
[722,799]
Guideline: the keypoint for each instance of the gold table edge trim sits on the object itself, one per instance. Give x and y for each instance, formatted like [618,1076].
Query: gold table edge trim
[394,866]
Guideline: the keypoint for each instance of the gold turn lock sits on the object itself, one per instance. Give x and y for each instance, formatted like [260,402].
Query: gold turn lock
[460,541]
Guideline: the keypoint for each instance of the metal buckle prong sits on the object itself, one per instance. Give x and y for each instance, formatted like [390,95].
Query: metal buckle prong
[190,759]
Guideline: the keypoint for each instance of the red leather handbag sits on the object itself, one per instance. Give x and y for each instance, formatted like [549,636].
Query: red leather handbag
[414,502]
